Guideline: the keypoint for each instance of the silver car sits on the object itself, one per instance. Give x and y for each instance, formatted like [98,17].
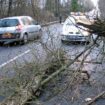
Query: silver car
[72,32]
[19,28]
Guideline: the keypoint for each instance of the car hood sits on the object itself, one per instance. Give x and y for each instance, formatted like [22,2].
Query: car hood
[73,30]
[70,29]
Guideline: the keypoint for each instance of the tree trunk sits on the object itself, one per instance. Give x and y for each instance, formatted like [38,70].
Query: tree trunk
[9,7]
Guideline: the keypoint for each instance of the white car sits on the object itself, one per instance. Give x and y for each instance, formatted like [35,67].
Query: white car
[72,32]
[18,28]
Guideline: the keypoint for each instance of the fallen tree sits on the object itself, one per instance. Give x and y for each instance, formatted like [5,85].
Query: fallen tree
[24,94]
[95,26]
[21,96]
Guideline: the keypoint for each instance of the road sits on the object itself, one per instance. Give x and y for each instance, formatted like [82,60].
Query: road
[9,55]
[19,54]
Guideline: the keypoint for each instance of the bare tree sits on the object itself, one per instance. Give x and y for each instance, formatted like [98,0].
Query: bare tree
[86,5]
[1,6]
[9,7]
[102,8]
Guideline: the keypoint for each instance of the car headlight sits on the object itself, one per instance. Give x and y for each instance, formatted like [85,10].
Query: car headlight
[64,32]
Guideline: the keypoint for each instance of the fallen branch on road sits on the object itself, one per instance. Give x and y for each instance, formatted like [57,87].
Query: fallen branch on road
[96,98]
[23,95]
[50,23]
[90,62]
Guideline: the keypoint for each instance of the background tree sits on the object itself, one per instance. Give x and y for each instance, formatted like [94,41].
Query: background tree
[1,7]
[74,6]
[81,5]
[86,5]
[53,6]
[102,8]
[9,7]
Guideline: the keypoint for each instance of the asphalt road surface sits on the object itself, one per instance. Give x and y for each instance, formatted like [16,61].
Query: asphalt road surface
[19,54]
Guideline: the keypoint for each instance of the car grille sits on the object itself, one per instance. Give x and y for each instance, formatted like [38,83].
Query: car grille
[75,37]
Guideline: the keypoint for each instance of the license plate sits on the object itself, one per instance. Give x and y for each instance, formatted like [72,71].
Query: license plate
[6,35]
[71,37]
[74,38]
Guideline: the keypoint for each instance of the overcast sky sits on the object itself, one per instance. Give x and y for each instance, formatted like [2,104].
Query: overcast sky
[95,2]
[42,2]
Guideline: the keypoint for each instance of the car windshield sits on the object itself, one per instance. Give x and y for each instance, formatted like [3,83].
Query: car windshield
[70,21]
[8,22]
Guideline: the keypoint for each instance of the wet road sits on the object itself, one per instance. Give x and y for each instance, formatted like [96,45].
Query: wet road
[15,53]
[20,54]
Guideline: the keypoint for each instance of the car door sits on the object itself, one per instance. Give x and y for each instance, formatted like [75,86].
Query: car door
[27,27]
[35,27]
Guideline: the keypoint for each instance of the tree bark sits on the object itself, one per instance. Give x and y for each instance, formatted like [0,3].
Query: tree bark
[98,27]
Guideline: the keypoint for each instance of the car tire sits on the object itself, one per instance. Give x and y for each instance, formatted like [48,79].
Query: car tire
[1,43]
[24,40]
[62,41]
[39,34]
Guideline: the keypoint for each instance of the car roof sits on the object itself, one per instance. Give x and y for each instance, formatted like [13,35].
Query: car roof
[15,17]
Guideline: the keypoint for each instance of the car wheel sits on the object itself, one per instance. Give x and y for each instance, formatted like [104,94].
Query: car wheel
[24,40]
[40,34]
[1,43]
[62,41]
